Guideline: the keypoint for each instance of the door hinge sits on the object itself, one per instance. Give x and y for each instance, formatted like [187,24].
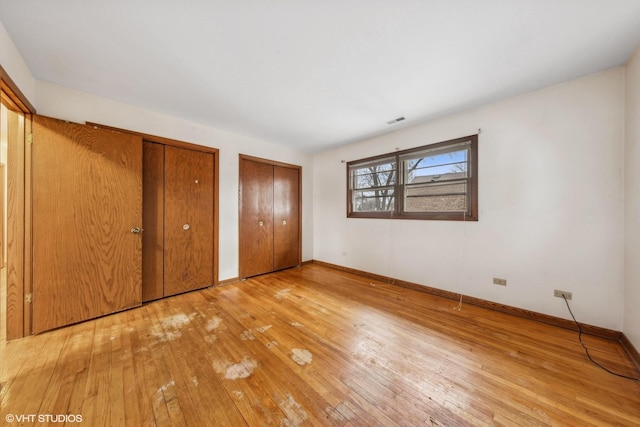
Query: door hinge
[28,298]
[30,138]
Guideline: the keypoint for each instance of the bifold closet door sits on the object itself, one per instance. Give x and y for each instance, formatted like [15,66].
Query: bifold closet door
[87,215]
[153,221]
[188,220]
[256,218]
[269,217]
[286,205]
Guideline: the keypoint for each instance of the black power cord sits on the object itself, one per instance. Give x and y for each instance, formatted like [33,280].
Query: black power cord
[586,350]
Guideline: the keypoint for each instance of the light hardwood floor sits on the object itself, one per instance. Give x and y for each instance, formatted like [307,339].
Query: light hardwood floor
[315,346]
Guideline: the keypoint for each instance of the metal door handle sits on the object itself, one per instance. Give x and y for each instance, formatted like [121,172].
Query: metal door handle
[260,223]
[136,230]
[284,222]
[186,227]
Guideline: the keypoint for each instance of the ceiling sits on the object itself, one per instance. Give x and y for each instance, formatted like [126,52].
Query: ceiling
[315,74]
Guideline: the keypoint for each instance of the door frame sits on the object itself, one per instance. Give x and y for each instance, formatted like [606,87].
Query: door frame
[242,157]
[18,237]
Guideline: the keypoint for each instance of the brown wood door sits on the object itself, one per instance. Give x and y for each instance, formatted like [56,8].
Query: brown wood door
[188,230]
[256,218]
[153,221]
[87,197]
[286,225]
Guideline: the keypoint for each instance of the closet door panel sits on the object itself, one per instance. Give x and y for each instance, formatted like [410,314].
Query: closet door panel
[152,221]
[188,233]
[286,201]
[256,218]
[87,206]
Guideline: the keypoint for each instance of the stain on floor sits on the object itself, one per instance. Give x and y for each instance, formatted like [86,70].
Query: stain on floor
[247,335]
[263,329]
[169,327]
[301,356]
[213,323]
[296,415]
[234,371]
[281,294]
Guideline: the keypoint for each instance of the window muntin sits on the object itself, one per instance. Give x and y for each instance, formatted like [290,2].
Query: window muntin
[437,181]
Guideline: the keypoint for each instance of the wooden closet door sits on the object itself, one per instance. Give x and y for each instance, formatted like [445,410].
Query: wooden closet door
[188,232]
[256,218]
[286,213]
[153,221]
[87,199]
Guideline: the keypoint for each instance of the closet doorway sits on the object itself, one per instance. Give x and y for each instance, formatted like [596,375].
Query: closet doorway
[178,240]
[270,216]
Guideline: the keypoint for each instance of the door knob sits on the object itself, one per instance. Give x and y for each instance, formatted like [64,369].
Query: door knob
[284,222]
[186,227]
[260,223]
[136,230]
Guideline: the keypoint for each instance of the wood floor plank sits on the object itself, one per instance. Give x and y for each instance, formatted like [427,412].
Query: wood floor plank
[277,334]
[305,340]
[152,381]
[19,353]
[315,346]
[197,388]
[290,393]
[136,404]
[70,373]
[34,377]
[96,405]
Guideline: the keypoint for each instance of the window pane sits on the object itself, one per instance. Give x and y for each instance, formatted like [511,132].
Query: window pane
[373,200]
[374,175]
[436,180]
[372,178]
[437,166]
[436,197]
[372,185]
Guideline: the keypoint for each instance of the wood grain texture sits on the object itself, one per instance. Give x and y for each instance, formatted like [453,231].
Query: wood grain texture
[152,221]
[256,218]
[317,346]
[27,231]
[528,314]
[270,216]
[216,184]
[87,195]
[18,210]
[189,207]
[159,139]
[286,217]
[15,239]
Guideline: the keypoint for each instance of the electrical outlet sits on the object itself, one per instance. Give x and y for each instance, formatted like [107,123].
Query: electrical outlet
[499,281]
[560,294]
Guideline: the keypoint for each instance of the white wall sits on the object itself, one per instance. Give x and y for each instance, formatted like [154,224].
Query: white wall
[551,205]
[14,65]
[80,107]
[631,326]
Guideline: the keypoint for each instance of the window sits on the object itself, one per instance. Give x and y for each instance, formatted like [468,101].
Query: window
[437,181]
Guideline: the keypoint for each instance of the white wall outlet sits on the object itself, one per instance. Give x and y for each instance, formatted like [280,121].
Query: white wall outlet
[559,294]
